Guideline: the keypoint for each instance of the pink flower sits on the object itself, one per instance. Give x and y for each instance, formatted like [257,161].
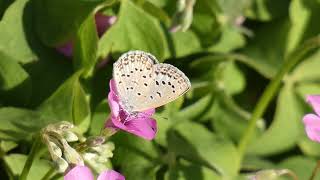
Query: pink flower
[103,23]
[84,173]
[312,121]
[141,124]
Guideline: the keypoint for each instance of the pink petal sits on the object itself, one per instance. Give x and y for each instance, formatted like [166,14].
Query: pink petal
[314,100]
[311,120]
[113,87]
[149,112]
[66,49]
[114,104]
[110,175]
[79,173]
[142,127]
[312,126]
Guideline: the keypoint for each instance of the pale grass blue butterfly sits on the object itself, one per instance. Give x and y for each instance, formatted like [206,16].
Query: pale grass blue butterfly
[143,83]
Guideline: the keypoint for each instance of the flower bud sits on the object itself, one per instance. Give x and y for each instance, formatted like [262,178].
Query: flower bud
[271,174]
[98,157]
[183,16]
[70,136]
[61,164]
[54,149]
[56,137]
[71,155]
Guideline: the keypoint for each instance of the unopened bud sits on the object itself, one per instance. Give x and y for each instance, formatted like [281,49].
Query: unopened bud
[61,164]
[71,155]
[63,126]
[54,149]
[271,174]
[70,136]
[183,16]
[95,141]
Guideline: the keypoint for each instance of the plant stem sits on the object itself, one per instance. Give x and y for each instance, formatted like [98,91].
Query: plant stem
[271,91]
[315,171]
[48,174]
[34,149]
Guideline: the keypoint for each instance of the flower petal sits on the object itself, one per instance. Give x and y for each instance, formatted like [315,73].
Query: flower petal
[314,100]
[110,175]
[114,104]
[144,127]
[311,120]
[112,86]
[149,112]
[79,173]
[312,126]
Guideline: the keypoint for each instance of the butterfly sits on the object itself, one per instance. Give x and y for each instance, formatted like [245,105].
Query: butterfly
[143,83]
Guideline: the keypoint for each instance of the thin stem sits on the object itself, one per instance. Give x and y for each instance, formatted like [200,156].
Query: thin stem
[271,91]
[315,171]
[34,149]
[48,174]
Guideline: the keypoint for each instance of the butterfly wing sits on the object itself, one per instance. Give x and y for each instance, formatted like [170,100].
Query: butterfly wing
[168,84]
[132,73]
[143,84]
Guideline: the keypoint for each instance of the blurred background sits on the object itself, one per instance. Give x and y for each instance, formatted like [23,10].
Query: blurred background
[56,62]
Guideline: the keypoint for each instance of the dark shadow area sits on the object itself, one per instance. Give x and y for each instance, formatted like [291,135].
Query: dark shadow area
[4,4]
[50,69]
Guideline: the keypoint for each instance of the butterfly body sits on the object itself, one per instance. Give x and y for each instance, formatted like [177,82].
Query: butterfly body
[143,83]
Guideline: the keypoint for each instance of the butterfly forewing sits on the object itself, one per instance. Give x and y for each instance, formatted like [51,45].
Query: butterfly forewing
[143,84]
[168,84]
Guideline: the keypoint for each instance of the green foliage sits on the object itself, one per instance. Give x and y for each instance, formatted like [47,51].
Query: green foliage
[148,35]
[231,51]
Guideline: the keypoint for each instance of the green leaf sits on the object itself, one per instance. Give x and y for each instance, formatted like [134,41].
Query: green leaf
[304,19]
[254,163]
[163,126]
[308,147]
[15,163]
[300,165]
[69,103]
[198,108]
[266,10]
[186,170]
[15,84]
[19,124]
[99,117]
[287,119]
[205,148]
[6,146]
[307,71]
[185,43]
[136,157]
[230,120]
[58,21]
[232,9]
[231,79]
[86,46]
[267,49]
[205,23]
[16,32]
[156,12]
[134,29]
[231,39]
